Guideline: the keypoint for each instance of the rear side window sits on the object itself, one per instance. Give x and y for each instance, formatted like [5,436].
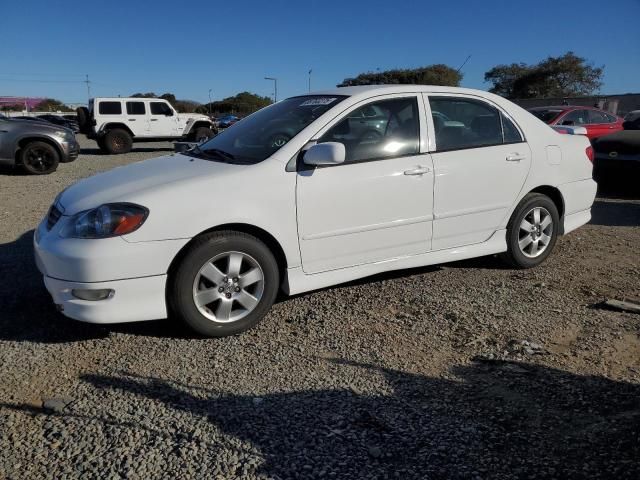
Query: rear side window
[510,131]
[159,108]
[135,108]
[465,123]
[110,108]
[576,117]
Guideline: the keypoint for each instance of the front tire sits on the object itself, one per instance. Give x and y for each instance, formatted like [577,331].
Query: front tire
[225,284]
[202,134]
[39,158]
[117,141]
[532,231]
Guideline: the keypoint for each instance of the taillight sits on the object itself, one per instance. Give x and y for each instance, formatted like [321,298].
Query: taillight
[590,154]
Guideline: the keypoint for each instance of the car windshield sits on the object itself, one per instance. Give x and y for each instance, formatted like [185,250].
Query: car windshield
[546,115]
[257,137]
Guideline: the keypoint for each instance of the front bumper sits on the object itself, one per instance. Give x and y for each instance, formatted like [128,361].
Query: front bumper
[136,271]
[134,300]
[70,150]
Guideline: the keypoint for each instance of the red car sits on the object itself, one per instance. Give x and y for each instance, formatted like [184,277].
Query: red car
[597,122]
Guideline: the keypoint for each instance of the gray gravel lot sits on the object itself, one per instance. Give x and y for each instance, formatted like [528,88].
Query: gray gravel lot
[465,370]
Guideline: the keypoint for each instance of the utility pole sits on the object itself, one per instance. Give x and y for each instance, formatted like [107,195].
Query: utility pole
[275,87]
[209,102]
[310,70]
[88,86]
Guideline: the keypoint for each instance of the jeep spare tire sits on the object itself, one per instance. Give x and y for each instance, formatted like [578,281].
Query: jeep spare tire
[84,119]
[118,141]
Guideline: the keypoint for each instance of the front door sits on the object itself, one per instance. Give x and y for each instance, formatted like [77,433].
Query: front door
[162,120]
[378,204]
[481,162]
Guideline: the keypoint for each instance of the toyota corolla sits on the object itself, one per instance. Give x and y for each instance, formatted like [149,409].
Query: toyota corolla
[214,233]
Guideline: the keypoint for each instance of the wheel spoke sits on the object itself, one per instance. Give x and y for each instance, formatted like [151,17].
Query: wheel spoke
[235,263]
[205,297]
[525,225]
[212,273]
[545,239]
[247,300]
[252,276]
[525,241]
[535,246]
[223,312]
[546,222]
[536,216]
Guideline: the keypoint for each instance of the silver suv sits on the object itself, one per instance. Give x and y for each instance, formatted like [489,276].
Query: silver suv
[36,146]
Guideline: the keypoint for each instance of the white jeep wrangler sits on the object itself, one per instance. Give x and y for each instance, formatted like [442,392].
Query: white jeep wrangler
[115,123]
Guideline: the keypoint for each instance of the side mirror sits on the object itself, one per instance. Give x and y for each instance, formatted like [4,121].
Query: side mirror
[168,113]
[329,153]
[568,122]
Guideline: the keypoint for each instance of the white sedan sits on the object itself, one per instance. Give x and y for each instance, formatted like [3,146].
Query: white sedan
[309,192]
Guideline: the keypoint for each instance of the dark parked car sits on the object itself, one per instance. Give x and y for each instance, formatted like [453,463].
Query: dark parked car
[632,120]
[63,122]
[618,153]
[36,146]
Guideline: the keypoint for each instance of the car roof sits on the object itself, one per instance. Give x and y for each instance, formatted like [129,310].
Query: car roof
[371,90]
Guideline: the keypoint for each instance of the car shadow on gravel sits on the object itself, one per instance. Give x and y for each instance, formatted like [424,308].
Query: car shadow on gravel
[488,419]
[27,311]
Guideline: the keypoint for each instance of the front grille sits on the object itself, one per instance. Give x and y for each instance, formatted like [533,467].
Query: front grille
[53,216]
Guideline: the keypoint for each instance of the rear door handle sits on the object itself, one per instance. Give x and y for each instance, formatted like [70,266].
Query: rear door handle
[132,119]
[419,170]
[154,119]
[515,157]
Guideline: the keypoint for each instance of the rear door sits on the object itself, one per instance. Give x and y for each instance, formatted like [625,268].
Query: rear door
[600,124]
[481,162]
[138,119]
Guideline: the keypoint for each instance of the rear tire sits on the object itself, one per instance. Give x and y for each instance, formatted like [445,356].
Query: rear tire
[225,284]
[532,231]
[39,158]
[117,141]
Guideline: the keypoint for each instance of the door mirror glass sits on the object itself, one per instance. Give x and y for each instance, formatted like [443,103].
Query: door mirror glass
[328,153]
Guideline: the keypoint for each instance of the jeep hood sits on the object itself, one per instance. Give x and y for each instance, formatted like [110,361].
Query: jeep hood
[137,181]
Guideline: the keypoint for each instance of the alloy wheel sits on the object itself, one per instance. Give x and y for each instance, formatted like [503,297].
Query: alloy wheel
[40,159]
[536,231]
[228,287]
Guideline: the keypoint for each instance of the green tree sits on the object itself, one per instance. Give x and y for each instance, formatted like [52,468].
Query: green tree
[52,105]
[439,74]
[565,76]
[243,103]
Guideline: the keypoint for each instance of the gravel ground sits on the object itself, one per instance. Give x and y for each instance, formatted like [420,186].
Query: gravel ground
[466,370]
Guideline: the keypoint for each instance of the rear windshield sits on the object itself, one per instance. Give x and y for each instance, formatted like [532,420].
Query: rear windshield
[546,115]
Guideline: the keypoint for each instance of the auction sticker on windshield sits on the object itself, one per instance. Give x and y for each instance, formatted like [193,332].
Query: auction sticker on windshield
[318,101]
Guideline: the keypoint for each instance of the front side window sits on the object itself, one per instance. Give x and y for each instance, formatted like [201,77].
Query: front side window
[384,129]
[135,108]
[159,108]
[260,135]
[465,123]
[110,108]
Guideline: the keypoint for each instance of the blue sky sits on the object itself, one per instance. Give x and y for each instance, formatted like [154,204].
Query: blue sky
[47,47]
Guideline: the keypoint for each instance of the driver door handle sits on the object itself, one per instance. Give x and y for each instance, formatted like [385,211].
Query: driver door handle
[419,170]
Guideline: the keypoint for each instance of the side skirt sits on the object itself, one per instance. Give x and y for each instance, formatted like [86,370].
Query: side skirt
[299,282]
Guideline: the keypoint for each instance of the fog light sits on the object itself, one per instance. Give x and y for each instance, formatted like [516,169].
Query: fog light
[92,295]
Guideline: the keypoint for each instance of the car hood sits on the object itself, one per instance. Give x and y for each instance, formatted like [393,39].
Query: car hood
[42,126]
[193,116]
[137,181]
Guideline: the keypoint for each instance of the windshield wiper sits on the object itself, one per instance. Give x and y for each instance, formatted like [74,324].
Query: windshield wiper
[217,151]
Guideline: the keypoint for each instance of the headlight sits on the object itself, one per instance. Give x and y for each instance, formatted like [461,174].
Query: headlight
[61,134]
[109,220]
